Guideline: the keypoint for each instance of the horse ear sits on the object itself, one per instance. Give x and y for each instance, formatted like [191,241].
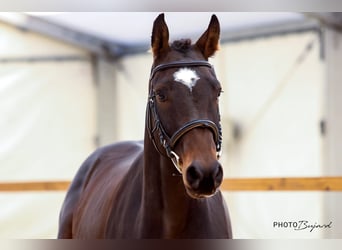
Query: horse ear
[160,36]
[208,43]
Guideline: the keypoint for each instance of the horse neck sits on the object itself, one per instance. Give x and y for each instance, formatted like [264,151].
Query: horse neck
[164,197]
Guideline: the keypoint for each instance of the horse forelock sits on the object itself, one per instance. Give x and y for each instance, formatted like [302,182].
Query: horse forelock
[182,45]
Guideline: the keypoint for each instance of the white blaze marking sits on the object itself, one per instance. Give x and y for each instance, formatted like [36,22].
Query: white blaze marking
[187,77]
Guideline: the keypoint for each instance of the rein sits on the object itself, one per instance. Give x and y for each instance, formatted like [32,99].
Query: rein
[169,142]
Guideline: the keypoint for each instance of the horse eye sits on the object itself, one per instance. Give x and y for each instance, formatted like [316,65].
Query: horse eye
[161,96]
[219,93]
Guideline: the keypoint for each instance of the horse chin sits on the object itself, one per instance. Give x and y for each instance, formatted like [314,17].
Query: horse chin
[195,195]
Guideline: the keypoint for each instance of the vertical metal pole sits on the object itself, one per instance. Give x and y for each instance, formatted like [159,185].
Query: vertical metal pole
[106,101]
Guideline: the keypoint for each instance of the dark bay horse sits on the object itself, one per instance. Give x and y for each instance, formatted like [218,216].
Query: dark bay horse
[167,185]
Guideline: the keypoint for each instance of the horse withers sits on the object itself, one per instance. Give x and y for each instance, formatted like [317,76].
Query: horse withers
[168,185]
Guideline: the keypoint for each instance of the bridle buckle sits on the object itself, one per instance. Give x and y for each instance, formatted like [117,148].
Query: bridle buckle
[175,160]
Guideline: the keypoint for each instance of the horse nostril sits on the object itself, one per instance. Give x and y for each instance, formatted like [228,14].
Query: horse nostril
[193,176]
[218,176]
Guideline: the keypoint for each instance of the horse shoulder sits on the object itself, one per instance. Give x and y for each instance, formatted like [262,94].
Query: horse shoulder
[94,188]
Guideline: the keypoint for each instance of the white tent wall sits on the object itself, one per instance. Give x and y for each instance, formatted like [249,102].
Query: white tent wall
[277,102]
[132,92]
[333,120]
[47,126]
[105,72]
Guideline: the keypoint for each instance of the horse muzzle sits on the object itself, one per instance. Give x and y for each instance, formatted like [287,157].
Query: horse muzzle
[202,181]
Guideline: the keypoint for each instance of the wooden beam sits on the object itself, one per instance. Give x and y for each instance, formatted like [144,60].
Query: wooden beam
[229,184]
[34,186]
[283,184]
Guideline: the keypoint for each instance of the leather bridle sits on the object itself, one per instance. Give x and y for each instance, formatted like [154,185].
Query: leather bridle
[154,124]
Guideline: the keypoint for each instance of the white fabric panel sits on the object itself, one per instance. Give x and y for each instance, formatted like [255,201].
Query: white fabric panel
[132,88]
[283,140]
[19,43]
[47,130]
[253,214]
[47,127]
[333,118]
[31,215]
[48,119]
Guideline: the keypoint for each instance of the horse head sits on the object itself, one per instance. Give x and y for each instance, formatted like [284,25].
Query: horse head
[183,114]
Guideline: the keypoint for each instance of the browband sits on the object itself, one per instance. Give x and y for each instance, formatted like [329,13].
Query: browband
[178,64]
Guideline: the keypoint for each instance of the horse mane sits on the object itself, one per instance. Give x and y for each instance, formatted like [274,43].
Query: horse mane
[182,45]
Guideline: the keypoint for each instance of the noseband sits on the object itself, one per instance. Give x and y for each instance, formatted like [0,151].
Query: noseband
[169,142]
